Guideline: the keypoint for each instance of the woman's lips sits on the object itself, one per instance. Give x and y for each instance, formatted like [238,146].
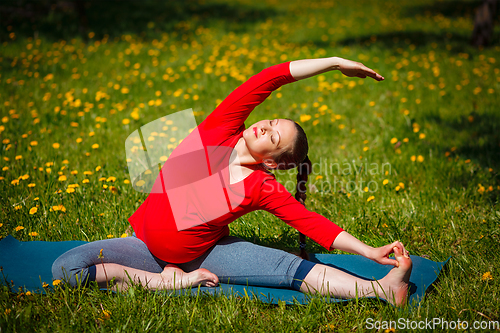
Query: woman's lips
[255,131]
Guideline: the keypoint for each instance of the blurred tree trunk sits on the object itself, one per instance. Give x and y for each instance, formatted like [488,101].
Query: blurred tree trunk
[483,23]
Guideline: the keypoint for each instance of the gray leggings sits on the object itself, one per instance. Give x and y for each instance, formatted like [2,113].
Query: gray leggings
[232,259]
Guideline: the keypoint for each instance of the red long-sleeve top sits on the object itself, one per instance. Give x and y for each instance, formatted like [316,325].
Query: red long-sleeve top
[153,222]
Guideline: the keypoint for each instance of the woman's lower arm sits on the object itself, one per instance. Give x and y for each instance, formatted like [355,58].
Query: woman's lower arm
[302,69]
[348,243]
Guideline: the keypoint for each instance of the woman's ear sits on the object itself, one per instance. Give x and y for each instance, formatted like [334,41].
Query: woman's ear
[270,163]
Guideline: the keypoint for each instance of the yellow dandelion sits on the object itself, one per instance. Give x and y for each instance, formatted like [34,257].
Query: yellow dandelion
[126,121]
[126,181]
[402,185]
[34,143]
[124,235]
[32,185]
[397,188]
[79,140]
[487,276]
[372,103]
[56,282]
[97,168]
[95,146]
[19,227]
[33,234]
[421,136]
[110,236]
[70,190]
[62,178]
[18,157]
[45,284]
[319,177]
[111,179]
[420,158]
[413,158]
[304,118]
[105,315]
[370,198]
[56,145]
[467,161]
[385,182]
[85,181]
[33,210]
[394,140]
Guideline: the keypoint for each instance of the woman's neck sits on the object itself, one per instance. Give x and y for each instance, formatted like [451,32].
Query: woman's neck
[245,159]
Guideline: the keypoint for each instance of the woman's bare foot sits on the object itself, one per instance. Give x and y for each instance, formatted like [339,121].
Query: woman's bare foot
[395,283]
[175,278]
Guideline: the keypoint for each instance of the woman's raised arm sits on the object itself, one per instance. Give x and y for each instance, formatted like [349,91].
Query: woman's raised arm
[302,69]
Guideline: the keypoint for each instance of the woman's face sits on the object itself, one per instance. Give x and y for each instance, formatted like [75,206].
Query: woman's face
[267,138]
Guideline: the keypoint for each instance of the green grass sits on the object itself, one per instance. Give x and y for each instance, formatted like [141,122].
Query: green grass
[439,100]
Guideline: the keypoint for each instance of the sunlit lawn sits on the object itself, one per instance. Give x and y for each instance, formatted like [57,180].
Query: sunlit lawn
[415,157]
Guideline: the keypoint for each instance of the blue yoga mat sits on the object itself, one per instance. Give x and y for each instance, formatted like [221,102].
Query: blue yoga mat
[27,265]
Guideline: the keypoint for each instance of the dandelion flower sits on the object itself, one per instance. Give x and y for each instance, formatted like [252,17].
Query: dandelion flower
[110,236]
[34,143]
[32,185]
[33,210]
[95,146]
[394,140]
[385,182]
[85,181]
[487,276]
[370,198]
[304,118]
[413,158]
[19,227]
[124,235]
[15,182]
[56,282]
[70,190]
[18,157]
[111,179]
[45,284]
[62,178]
[420,158]
[33,234]
[56,145]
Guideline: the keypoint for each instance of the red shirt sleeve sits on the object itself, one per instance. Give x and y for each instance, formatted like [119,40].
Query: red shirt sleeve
[275,199]
[231,114]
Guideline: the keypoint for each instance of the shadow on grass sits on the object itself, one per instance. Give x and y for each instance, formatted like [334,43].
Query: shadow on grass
[478,140]
[450,9]
[402,39]
[58,19]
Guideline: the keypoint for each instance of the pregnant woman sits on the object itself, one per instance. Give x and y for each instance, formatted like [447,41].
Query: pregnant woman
[162,255]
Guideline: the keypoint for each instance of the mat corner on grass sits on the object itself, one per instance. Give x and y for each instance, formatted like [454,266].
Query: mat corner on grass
[28,266]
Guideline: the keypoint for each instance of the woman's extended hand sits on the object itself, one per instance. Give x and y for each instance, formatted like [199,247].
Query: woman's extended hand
[381,254]
[352,68]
